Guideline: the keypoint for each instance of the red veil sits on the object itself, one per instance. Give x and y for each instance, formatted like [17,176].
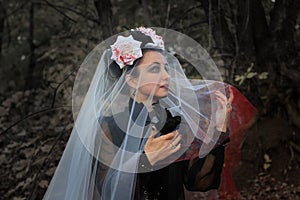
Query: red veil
[242,117]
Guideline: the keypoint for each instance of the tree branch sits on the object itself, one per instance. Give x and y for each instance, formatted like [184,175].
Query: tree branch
[58,86]
[60,12]
[2,20]
[29,116]
[17,9]
[183,15]
[103,8]
[220,31]
[71,10]
[45,162]
[146,13]
[29,78]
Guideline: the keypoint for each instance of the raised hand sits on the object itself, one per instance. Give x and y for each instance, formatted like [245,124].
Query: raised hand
[159,148]
[224,109]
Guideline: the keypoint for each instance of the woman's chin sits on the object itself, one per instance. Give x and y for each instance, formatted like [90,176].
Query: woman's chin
[162,95]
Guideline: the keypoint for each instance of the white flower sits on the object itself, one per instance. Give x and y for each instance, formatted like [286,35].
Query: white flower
[158,41]
[126,50]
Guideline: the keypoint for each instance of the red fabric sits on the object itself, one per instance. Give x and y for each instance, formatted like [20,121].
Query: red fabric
[242,117]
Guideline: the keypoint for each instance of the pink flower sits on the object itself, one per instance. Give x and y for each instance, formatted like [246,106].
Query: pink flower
[126,50]
[158,41]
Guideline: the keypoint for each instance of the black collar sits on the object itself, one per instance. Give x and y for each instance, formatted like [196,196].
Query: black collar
[139,108]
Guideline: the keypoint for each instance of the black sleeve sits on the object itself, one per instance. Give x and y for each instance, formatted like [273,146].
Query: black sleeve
[205,173]
[144,165]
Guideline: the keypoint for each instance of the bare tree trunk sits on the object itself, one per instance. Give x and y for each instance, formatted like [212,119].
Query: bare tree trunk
[146,13]
[253,31]
[218,28]
[244,30]
[221,34]
[30,81]
[2,20]
[262,42]
[282,26]
[104,10]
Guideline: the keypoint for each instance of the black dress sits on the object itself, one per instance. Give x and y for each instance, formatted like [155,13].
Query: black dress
[167,183]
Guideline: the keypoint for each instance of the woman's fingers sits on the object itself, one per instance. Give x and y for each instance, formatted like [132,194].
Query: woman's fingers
[159,148]
[221,95]
[222,99]
[175,147]
[168,136]
[231,97]
[153,133]
[176,139]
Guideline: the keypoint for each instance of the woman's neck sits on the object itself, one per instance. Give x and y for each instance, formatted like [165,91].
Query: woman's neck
[148,104]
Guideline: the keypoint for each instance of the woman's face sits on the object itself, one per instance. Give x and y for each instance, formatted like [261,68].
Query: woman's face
[153,77]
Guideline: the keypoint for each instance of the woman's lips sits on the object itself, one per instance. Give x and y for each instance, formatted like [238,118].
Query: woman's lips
[166,86]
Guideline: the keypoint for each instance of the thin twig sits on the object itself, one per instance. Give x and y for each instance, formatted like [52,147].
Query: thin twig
[17,9]
[209,25]
[184,14]
[234,60]
[83,14]
[44,110]
[193,24]
[168,13]
[59,84]
[61,12]
[46,161]
[29,116]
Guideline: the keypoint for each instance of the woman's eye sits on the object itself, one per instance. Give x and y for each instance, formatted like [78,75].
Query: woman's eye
[155,69]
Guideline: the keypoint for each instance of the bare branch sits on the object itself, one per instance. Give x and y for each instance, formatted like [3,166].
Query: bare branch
[168,13]
[45,161]
[71,10]
[104,9]
[30,116]
[60,12]
[146,13]
[194,24]
[183,15]
[2,20]
[29,78]
[17,9]
[58,86]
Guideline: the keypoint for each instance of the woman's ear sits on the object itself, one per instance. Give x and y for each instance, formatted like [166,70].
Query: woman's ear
[130,80]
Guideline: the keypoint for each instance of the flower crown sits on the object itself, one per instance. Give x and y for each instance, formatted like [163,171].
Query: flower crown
[126,49]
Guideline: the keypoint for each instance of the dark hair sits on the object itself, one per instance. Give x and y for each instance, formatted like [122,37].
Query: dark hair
[114,70]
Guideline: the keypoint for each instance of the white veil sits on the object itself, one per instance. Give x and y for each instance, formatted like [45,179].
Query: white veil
[102,156]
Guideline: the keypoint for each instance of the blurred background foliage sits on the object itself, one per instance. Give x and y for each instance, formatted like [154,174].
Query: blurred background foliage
[255,43]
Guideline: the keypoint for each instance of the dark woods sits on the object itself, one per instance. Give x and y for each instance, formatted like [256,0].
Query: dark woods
[255,43]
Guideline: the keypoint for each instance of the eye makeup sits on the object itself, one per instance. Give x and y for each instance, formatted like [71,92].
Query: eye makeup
[156,67]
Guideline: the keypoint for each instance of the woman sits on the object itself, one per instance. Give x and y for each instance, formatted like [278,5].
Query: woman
[144,130]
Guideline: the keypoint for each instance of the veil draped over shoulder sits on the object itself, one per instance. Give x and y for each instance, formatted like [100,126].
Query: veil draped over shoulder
[104,152]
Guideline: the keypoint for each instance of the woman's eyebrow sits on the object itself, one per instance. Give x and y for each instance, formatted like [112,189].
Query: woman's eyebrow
[156,63]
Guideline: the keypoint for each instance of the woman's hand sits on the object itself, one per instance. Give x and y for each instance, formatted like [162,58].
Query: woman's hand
[159,148]
[224,109]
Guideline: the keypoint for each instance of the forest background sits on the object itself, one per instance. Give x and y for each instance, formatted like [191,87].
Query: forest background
[255,43]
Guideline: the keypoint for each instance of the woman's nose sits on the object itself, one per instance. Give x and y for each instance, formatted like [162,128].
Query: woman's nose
[165,75]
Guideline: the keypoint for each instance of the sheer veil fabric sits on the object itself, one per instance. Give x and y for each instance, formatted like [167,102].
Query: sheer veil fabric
[101,159]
